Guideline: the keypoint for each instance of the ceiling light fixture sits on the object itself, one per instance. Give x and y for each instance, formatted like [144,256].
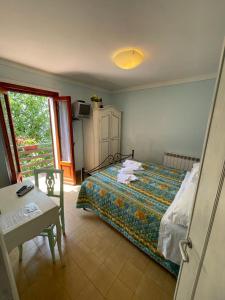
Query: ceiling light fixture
[128,58]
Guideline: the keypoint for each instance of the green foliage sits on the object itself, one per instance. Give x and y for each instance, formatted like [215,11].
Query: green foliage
[32,126]
[25,141]
[31,118]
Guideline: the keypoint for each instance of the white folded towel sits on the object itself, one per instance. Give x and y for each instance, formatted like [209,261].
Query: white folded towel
[134,165]
[126,170]
[126,178]
[126,174]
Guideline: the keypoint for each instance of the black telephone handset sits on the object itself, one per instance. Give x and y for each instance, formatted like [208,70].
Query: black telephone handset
[24,190]
[21,189]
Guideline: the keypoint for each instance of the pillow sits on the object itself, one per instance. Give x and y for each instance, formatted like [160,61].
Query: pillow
[185,182]
[181,210]
[194,172]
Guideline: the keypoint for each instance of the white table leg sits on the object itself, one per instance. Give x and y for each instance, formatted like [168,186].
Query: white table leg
[58,239]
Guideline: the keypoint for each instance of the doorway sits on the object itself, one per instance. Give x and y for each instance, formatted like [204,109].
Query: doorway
[37,129]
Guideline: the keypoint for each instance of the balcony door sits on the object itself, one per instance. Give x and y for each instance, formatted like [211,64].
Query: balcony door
[64,137]
[61,132]
[7,127]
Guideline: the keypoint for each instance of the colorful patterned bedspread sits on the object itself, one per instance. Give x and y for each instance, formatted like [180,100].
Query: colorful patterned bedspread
[136,209]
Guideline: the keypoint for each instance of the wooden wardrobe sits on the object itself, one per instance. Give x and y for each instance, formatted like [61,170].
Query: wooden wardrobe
[102,135]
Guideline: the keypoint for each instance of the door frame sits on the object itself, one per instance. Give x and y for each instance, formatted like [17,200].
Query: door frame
[15,168]
[9,87]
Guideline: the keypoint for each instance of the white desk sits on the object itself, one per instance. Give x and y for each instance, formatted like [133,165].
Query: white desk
[32,226]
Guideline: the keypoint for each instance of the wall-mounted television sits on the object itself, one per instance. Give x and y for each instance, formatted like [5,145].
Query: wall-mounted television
[81,109]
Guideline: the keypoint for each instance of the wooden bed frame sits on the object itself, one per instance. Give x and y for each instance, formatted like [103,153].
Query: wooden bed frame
[108,161]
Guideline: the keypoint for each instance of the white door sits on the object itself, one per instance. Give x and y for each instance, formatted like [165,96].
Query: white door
[210,284]
[206,196]
[115,132]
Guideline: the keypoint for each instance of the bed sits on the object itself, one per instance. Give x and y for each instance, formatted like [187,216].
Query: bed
[136,209]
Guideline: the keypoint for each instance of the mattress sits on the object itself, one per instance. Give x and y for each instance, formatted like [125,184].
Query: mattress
[136,209]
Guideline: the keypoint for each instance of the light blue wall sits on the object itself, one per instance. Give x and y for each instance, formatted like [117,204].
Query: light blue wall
[170,118]
[17,74]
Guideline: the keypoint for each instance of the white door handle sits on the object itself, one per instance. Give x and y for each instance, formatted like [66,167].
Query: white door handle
[182,245]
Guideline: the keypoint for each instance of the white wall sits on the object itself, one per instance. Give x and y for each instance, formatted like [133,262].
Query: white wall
[169,118]
[18,74]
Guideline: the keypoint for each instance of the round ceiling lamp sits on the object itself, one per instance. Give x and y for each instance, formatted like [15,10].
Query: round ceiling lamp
[128,58]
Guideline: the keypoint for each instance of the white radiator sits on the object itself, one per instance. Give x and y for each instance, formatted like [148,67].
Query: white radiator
[178,161]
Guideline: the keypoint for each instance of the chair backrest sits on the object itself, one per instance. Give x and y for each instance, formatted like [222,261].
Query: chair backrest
[8,289]
[50,181]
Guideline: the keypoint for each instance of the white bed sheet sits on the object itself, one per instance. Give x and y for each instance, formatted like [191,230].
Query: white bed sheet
[170,234]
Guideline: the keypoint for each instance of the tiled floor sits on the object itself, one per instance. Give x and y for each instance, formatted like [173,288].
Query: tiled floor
[100,264]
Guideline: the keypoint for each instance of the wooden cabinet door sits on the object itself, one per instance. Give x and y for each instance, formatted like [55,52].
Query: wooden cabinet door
[115,124]
[104,126]
[115,146]
[104,150]
[64,137]
[104,136]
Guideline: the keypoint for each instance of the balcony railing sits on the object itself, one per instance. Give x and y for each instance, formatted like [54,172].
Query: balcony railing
[35,156]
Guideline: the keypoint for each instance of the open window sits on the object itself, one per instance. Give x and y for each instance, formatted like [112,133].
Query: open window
[8,132]
[53,149]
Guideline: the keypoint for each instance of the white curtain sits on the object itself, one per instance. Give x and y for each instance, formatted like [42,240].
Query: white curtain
[64,131]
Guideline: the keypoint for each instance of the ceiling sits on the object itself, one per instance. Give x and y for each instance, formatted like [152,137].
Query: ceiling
[76,38]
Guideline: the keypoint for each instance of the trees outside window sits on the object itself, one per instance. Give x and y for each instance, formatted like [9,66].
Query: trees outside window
[32,129]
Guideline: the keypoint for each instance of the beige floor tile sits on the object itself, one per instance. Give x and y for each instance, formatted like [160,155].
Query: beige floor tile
[86,260]
[104,249]
[45,289]
[103,279]
[38,269]
[90,293]
[149,290]
[92,240]
[72,279]
[119,291]
[130,276]
[21,280]
[162,277]
[140,260]
[115,262]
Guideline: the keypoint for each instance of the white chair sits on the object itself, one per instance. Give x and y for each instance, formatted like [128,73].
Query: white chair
[50,175]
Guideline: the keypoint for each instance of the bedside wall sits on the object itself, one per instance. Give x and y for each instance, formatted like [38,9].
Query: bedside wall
[168,118]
